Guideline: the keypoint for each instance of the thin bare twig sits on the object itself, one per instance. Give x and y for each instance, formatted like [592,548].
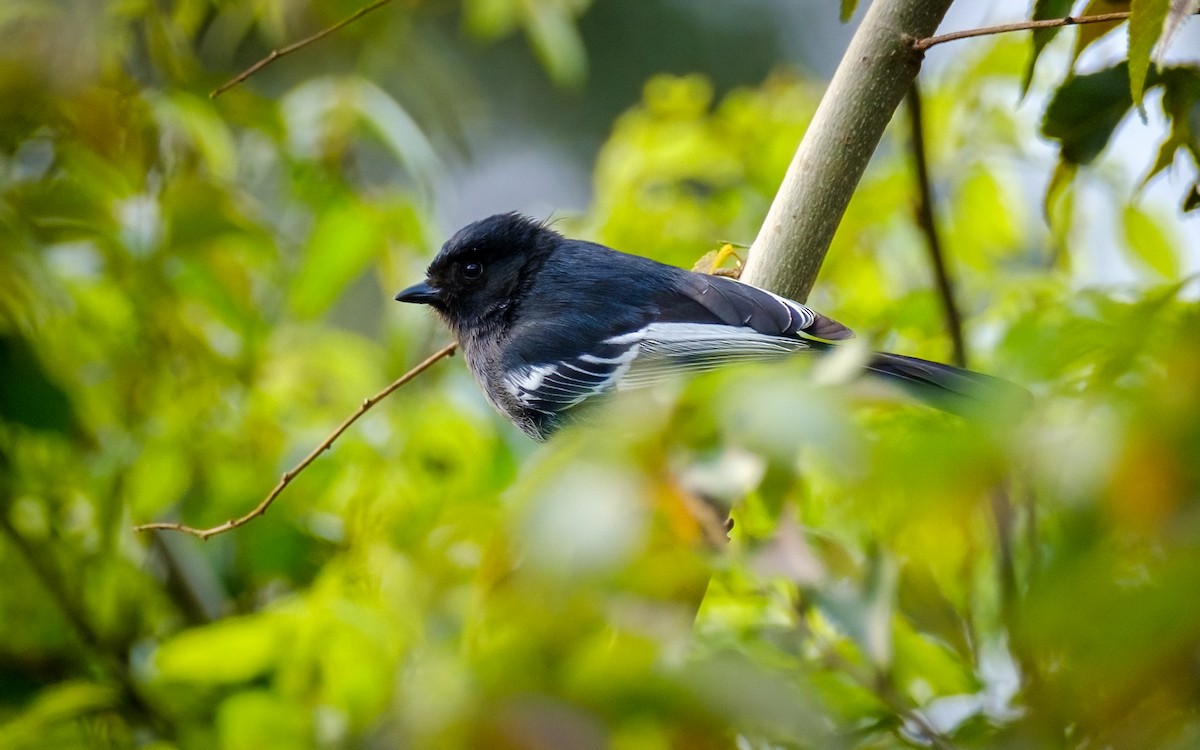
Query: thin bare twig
[278,53]
[1050,23]
[928,225]
[292,473]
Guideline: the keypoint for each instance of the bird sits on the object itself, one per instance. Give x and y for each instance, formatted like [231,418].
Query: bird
[549,324]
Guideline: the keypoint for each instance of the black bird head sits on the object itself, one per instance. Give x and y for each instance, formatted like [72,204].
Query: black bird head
[476,279]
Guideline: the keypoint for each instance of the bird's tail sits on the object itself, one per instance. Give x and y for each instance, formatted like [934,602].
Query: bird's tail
[947,387]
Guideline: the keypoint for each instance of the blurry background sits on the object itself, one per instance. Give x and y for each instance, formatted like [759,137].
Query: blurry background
[195,291]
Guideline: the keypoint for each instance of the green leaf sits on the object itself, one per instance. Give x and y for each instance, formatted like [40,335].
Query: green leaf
[1085,111]
[343,243]
[1042,10]
[260,718]
[929,664]
[986,222]
[1191,201]
[490,19]
[1145,27]
[230,651]
[1057,188]
[555,39]
[192,121]
[848,7]
[1149,242]
[28,396]
[1166,157]
[922,601]
[1181,104]
[1089,33]
[56,705]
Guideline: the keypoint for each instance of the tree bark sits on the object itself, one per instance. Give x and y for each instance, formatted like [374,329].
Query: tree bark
[871,81]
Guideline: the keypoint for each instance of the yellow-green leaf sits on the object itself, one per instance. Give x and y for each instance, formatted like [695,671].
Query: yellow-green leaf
[1146,18]
[490,19]
[1060,181]
[555,39]
[344,241]
[1149,242]
[260,718]
[58,703]
[230,651]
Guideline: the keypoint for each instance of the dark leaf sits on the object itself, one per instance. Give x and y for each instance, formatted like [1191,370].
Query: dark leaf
[27,394]
[1181,104]
[1042,10]
[848,7]
[1192,201]
[1086,110]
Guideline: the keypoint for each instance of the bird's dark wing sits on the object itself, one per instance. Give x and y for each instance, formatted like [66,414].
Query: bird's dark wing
[694,324]
[705,322]
[699,298]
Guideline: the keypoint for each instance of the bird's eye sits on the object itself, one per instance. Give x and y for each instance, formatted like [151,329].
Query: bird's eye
[472,270]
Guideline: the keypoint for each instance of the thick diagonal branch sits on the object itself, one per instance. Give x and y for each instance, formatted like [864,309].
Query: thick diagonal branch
[874,75]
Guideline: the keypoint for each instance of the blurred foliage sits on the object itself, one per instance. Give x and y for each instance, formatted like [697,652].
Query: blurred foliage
[194,292]
[550,26]
[1087,109]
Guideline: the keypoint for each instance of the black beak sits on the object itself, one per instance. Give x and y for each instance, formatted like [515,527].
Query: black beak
[422,294]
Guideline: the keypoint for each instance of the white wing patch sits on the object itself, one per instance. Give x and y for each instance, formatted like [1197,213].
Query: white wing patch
[806,316]
[668,349]
[551,388]
[641,358]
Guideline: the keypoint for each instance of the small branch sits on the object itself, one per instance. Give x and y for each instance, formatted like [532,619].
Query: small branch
[289,49]
[928,225]
[1003,515]
[292,473]
[1050,23]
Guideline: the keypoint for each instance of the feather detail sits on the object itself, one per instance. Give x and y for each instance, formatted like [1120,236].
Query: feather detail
[557,386]
[716,299]
[948,387]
